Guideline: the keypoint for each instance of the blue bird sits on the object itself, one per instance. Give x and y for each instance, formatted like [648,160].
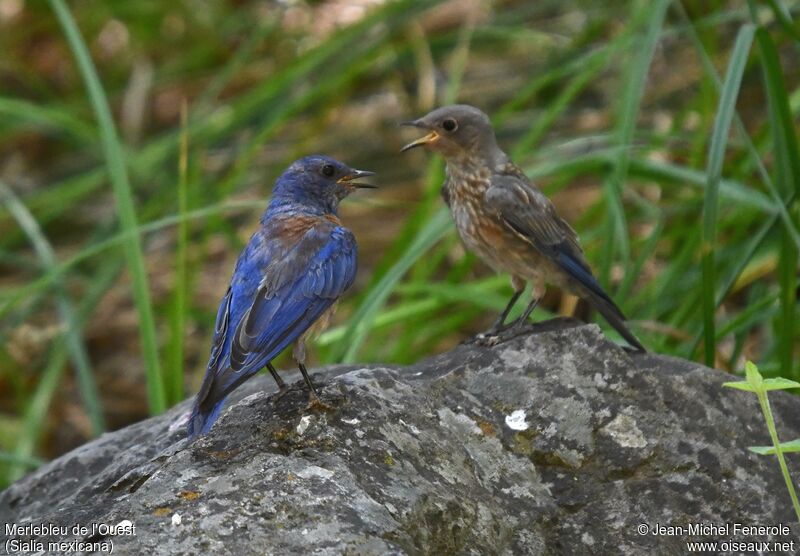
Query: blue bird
[285,284]
[505,219]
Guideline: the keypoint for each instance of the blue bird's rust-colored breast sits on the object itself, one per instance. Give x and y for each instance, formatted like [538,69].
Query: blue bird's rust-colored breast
[290,228]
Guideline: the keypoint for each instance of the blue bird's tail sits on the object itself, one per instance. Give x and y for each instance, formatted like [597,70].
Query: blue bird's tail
[206,408]
[211,397]
[599,298]
[202,420]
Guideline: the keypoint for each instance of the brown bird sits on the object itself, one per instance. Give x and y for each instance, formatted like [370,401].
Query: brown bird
[505,219]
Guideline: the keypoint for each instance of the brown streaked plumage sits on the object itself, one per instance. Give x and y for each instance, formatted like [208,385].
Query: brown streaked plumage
[503,218]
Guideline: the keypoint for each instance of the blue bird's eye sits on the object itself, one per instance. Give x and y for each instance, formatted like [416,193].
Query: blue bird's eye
[449,124]
[328,170]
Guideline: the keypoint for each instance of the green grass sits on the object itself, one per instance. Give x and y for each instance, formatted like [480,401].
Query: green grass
[126,209]
[716,156]
[665,131]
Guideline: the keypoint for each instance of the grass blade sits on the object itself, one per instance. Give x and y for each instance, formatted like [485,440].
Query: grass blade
[75,344]
[361,321]
[173,374]
[716,157]
[13,459]
[37,407]
[787,179]
[118,174]
[616,226]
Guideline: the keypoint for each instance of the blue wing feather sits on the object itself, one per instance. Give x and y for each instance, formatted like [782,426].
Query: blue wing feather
[296,288]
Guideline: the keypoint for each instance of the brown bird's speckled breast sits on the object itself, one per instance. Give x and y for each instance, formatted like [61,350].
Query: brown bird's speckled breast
[483,232]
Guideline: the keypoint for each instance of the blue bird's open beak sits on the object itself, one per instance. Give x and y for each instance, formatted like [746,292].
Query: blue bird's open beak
[354,175]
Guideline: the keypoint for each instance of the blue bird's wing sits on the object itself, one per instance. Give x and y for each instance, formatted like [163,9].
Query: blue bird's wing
[533,218]
[298,286]
[284,309]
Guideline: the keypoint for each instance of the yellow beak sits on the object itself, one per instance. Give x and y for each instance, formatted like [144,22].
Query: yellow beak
[426,140]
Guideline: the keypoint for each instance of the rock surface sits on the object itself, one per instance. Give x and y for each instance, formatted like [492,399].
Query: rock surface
[554,441]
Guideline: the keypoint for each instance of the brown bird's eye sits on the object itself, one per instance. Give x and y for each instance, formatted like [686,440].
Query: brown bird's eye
[449,124]
[328,170]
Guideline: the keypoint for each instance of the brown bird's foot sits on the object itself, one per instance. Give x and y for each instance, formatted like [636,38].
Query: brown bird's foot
[490,336]
[487,339]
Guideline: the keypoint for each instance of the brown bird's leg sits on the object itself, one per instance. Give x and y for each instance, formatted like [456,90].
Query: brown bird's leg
[538,294]
[282,388]
[499,325]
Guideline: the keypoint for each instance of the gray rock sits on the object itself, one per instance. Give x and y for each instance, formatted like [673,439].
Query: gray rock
[554,441]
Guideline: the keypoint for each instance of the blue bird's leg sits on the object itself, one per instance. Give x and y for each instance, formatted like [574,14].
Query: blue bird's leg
[299,354]
[282,388]
[312,392]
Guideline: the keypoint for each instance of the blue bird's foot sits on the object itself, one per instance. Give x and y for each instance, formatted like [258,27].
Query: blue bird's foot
[282,391]
[315,404]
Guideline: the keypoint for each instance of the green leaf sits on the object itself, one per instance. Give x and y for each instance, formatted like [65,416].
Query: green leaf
[779,384]
[754,378]
[790,446]
[740,385]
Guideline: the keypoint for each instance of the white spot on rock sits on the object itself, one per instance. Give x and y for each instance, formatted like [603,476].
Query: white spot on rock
[412,428]
[516,421]
[313,471]
[176,519]
[600,381]
[305,421]
[624,431]
[352,421]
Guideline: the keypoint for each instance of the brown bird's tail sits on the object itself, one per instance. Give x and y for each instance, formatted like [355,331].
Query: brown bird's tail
[591,290]
[606,307]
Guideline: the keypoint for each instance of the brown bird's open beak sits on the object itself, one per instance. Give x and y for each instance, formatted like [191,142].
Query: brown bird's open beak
[354,175]
[425,140]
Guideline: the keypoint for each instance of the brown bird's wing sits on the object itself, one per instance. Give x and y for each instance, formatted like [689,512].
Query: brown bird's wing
[531,215]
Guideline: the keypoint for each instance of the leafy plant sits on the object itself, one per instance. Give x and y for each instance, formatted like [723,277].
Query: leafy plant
[757,384]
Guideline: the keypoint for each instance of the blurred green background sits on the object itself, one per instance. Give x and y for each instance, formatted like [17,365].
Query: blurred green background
[665,132]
